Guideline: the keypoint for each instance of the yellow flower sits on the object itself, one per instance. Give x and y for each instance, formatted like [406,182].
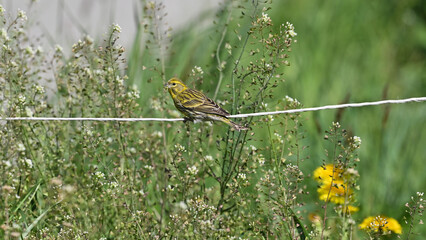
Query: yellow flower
[324,174]
[381,224]
[315,218]
[196,106]
[351,209]
[338,192]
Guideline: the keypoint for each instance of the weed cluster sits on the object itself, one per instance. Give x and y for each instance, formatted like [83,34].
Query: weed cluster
[103,180]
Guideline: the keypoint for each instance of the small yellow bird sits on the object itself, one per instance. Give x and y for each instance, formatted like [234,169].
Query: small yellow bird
[196,106]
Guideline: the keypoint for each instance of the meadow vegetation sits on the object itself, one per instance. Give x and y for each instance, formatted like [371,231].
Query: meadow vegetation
[344,174]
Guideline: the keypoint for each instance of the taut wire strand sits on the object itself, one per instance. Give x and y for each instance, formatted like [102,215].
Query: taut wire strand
[244,115]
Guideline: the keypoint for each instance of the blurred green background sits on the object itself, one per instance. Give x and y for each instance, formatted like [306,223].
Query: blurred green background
[346,51]
[356,51]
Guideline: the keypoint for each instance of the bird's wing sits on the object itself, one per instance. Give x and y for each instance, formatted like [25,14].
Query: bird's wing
[190,98]
[209,106]
[197,101]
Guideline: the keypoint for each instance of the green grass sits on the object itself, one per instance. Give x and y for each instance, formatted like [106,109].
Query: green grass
[99,180]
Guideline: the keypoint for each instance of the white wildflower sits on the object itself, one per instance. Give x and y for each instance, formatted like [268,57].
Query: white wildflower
[264,19]
[21,99]
[119,80]
[228,48]
[29,162]
[148,167]
[356,142]
[133,94]
[98,72]
[21,147]
[88,132]
[292,100]
[39,50]
[290,30]
[155,104]
[29,51]
[132,150]
[13,64]
[28,112]
[197,70]
[7,164]
[68,188]
[182,205]
[58,49]
[99,175]
[22,15]
[222,65]
[180,148]
[157,134]
[175,113]
[114,184]
[116,28]
[193,170]
[242,176]
[279,137]
[4,35]
[88,39]
[39,89]
[292,33]
[88,72]
[352,171]
[6,48]
[260,159]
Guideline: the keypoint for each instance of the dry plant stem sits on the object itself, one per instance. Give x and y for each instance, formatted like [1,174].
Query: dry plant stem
[163,127]
[273,150]
[118,124]
[331,184]
[416,208]
[27,143]
[233,161]
[219,64]
[228,163]
[237,63]
[6,208]
[294,202]
[345,205]
[139,227]
[161,44]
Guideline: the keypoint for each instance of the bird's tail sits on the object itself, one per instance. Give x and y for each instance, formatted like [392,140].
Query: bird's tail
[227,121]
[234,125]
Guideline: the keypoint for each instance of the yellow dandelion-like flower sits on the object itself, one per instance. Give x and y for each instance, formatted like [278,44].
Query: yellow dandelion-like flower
[325,174]
[338,192]
[351,209]
[381,224]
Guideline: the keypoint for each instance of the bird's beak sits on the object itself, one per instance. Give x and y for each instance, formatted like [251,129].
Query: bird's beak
[166,85]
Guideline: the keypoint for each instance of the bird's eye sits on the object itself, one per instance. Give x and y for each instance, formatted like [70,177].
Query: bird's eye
[173,84]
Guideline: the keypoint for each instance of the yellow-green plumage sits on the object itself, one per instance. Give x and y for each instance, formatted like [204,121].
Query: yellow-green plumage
[197,106]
